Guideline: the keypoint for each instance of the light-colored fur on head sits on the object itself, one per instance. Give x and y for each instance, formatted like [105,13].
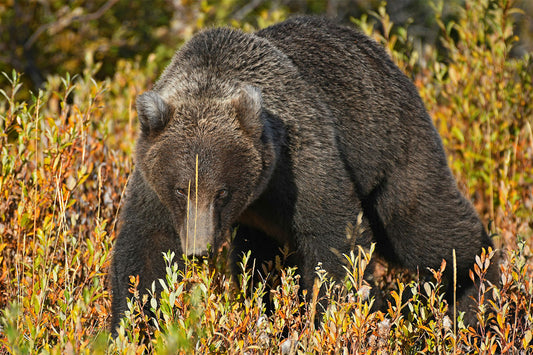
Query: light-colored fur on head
[154,113]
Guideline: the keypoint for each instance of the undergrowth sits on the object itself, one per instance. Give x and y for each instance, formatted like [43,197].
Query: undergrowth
[66,155]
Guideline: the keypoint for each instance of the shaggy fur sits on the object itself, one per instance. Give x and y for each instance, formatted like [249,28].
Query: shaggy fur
[297,130]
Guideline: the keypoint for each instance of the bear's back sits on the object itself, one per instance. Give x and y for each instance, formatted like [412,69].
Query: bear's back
[376,108]
[218,61]
[333,57]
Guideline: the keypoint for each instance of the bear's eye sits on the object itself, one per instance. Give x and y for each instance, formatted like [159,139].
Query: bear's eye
[222,194]
[181,192]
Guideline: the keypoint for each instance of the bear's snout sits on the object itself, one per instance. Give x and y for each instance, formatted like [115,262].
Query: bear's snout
[198,230]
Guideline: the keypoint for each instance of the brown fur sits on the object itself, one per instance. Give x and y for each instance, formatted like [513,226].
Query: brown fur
[297,129]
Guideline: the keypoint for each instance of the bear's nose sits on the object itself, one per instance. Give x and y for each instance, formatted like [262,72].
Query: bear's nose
[197,233]
[204,254]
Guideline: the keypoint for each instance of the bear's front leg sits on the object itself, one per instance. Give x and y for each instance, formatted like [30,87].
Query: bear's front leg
[145,234]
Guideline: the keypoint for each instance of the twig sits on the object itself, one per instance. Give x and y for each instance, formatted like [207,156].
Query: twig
[66,21]
[246,9]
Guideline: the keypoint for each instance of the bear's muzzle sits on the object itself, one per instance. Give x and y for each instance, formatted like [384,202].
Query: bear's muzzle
[198,230]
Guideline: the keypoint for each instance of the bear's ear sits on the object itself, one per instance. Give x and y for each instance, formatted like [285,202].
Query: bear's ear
[248,105]
[153,112]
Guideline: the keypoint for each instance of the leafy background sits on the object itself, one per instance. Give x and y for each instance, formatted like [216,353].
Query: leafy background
[68,128]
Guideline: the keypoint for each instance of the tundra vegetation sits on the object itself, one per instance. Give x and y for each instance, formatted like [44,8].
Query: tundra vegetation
[66,153]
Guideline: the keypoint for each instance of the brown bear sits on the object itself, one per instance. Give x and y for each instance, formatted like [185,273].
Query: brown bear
[292,133]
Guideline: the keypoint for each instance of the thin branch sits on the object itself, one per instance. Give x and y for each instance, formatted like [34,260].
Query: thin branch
[98,13]
[64,22]
[246,9]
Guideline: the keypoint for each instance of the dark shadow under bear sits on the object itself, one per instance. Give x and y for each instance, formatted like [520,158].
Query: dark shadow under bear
[292,132]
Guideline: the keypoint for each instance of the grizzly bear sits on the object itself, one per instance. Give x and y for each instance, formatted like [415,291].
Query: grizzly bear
[293,133]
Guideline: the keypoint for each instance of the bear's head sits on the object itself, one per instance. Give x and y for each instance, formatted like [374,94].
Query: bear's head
[207,159]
